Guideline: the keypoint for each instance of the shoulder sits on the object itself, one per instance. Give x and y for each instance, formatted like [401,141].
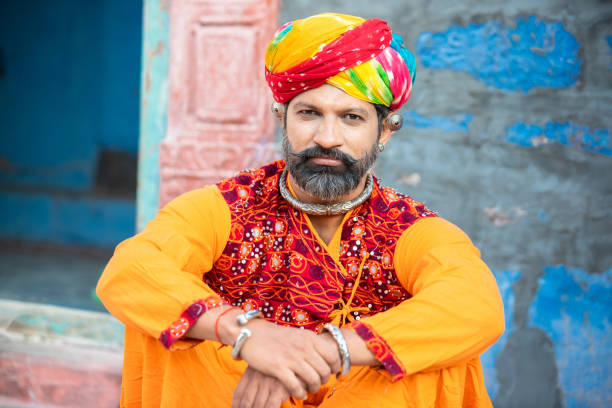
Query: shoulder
[437,238]
[250,184]
[435,231]
[397,207]
[434,243]
[195,206]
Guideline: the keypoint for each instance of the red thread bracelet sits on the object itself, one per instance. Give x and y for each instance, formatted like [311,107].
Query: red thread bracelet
[219,318]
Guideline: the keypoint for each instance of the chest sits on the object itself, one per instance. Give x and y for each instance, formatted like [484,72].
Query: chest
[273,261]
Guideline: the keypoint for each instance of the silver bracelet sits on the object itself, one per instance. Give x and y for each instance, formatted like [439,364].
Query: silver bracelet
[244,334]
[244,318]
[345,358]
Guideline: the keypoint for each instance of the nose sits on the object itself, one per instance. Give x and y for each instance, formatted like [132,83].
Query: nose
[328,134]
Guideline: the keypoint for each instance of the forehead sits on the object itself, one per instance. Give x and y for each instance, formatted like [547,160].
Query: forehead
[329,97]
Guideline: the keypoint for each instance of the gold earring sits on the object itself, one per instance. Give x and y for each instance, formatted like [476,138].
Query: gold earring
[277,108]
[380,147]
[395,122]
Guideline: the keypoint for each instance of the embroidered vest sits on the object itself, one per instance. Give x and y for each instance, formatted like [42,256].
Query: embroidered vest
[274,262]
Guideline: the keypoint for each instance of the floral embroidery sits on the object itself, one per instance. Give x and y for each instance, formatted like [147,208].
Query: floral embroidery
[381,350]
[272,261]
[187,319]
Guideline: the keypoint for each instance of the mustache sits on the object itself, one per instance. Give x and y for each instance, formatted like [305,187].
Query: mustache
[318,151]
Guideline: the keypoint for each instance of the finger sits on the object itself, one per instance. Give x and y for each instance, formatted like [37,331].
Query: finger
[249,393]
[264,389]
[240,388]
[278,394]
[292,383]
[309,376]
[321,366]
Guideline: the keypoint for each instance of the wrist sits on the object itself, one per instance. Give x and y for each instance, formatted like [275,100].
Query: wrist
[245,333]
[359,353]
[342,347]
[228,328]
[329,340]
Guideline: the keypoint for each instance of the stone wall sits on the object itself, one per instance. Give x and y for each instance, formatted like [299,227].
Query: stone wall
[508,136]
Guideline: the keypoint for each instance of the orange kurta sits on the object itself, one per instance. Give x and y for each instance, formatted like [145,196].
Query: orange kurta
[437,335]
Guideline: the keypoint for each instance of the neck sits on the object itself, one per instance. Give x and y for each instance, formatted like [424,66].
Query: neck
[325,224]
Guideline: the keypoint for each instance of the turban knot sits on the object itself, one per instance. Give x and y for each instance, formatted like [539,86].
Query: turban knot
[361,57]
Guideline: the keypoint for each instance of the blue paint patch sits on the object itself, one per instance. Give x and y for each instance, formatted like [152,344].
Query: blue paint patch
[575,309]
[609,39]
[457,123]
[542,216]
[84,221]
[505,280]
[569,134]
[534,54]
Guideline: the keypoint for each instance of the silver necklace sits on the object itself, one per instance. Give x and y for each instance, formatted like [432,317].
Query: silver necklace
[324,209]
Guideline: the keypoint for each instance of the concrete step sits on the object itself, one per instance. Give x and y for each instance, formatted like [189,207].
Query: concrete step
[54,356]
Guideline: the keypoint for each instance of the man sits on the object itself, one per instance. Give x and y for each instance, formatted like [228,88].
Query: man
[310,244]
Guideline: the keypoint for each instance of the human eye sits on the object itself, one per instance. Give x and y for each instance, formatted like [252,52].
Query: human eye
[353,117]
[307,113]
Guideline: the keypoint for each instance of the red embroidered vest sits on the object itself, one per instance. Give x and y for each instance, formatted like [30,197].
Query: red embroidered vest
[274,262]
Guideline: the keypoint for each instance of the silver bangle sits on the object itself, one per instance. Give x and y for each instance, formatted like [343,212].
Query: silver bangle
[244,318]
[345,358]
[244,334]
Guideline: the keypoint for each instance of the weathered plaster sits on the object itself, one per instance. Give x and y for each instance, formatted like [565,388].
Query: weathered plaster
[574,309]
[153,106]
[535,53]
[507,135]
[592,140]
[505,282]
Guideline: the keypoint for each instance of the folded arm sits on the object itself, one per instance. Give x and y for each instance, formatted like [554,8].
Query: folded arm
[153,282]
[455,312]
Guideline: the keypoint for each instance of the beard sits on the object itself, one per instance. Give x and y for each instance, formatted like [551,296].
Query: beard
[326,183]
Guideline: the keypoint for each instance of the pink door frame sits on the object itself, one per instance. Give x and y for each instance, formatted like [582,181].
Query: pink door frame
[218,108]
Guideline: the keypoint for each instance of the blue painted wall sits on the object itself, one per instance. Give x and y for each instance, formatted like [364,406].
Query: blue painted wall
[609,40]
[505,282]
[67,220]
[574,308]
[153,104]
[528,54]
[69,88]
[458,122]
[507,134]
[568,134]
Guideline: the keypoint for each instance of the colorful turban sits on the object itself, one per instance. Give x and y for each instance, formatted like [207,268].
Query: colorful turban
[361,57]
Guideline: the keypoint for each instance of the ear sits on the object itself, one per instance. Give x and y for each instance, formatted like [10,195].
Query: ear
[278,109]
[392,123]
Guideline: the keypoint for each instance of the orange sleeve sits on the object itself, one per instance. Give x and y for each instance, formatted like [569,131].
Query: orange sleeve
[153,282]
[455,312]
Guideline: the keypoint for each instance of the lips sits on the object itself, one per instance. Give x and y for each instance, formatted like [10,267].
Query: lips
[326,161]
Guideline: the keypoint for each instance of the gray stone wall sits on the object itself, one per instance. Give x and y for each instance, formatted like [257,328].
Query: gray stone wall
[508,135]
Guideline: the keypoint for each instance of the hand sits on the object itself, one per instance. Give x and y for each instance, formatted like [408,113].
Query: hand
[257,390]
[299,359]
